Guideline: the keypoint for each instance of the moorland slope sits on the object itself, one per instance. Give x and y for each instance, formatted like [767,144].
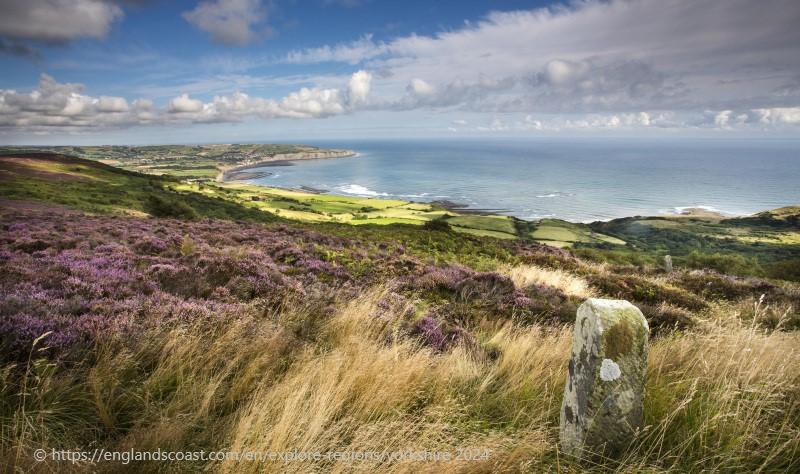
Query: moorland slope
[142,312]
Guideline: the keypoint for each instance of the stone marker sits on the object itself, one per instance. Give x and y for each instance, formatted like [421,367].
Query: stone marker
[602,407]
[667,264]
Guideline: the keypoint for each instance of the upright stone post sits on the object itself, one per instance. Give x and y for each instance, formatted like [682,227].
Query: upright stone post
[667,263]
[604,394]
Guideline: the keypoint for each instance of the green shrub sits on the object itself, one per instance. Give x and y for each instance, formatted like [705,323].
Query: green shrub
[724,263]
[437,224]
[160,206]
[785,270]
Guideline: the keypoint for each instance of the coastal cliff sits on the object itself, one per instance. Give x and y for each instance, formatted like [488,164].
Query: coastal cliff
[225,172]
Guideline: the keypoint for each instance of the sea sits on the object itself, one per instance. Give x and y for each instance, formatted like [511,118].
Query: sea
[579,180]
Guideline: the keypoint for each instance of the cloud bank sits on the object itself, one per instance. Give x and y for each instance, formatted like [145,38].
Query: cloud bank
[54,105]
[593,56]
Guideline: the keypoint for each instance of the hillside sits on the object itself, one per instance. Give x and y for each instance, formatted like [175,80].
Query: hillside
[766,244]
[183,161]
[759,245]
[61,178]
[149,312]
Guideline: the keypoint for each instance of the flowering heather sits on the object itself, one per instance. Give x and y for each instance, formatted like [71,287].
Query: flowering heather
[80,277]
[430,330]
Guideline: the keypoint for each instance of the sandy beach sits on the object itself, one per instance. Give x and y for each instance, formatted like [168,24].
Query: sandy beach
[237,173]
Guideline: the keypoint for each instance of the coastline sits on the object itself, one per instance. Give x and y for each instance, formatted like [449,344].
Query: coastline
[240,173]
[231,173]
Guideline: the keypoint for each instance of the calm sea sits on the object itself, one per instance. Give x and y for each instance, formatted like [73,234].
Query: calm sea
[579,180]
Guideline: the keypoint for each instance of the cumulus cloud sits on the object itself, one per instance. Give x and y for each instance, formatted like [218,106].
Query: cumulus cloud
[57,20]
[358,88]
[314,102]
[230,22]
[184,104]
[112,104]
[66,106]
[633,122]
[54,104]
[779,115]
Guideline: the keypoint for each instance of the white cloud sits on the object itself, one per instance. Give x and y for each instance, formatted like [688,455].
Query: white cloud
[420,88]
[779,115]
[358,87]
[589,65]
[184,104]
[60,105]
[112,104]
[57,20]
[230,22]
[559,72]
[143,104]
[593,56]
[547,123]
[351,53]
[56,105]
[307,103]
[722,118]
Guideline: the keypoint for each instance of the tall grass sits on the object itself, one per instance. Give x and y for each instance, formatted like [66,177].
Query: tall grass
[723,397]
[527,275]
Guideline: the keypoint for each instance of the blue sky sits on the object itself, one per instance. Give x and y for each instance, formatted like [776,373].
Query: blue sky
[138,71]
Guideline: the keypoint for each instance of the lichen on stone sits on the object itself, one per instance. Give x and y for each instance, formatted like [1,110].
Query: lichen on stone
[618,340]
[609,370]
[603,397]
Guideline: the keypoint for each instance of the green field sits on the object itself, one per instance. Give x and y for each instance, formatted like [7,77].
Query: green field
[183,161]
[565,234]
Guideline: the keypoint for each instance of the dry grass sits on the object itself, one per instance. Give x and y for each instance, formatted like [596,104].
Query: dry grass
[366,394]
[571,285]
[725,397]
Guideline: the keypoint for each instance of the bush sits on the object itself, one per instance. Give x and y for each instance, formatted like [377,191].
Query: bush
[715,286]
[160,206]
[642,290]
[723,263]
[785,270]
[664,317]
[437,224]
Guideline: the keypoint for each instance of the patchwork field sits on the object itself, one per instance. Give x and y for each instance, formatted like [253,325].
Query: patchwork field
[183,161]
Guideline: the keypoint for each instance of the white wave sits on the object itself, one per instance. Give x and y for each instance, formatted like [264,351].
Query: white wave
[554,194]
[358,190]
[680,210]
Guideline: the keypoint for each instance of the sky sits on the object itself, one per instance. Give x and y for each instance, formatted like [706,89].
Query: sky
[222,71]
